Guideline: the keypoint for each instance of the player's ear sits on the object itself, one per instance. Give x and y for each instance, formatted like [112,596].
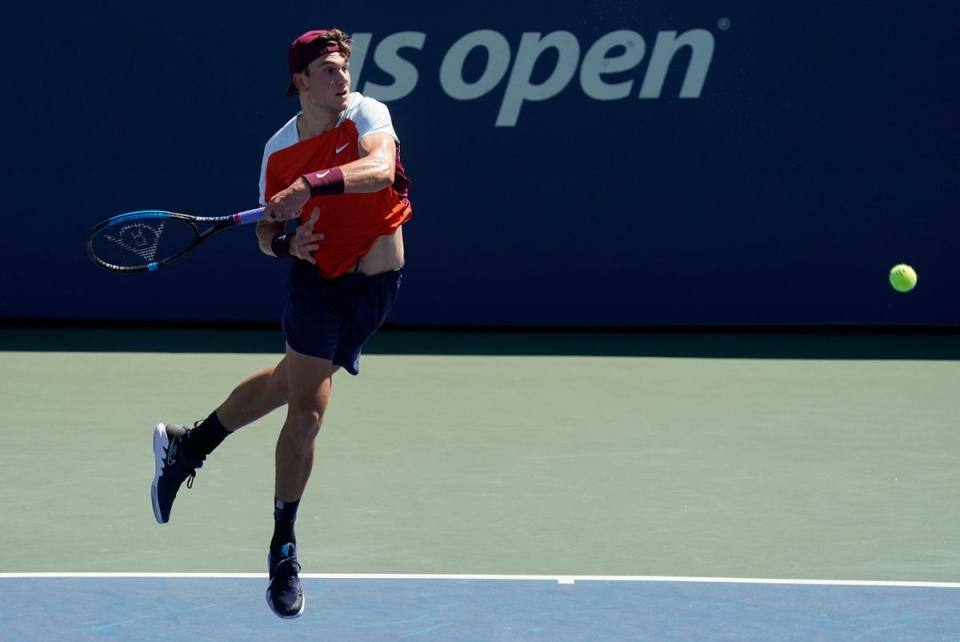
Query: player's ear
[300,82]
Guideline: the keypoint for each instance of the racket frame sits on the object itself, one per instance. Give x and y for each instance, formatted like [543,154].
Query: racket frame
[217,224]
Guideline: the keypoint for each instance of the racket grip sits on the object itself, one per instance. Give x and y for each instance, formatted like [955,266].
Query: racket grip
[249,216]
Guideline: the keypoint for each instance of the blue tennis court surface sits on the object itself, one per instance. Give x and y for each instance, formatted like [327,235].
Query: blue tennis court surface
[371,609]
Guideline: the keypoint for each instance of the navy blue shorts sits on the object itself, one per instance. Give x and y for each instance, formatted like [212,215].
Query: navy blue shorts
[333,318]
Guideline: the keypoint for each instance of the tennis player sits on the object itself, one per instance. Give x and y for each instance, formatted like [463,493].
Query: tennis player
[334,166]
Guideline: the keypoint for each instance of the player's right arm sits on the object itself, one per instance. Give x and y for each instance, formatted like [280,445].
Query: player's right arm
[266,230]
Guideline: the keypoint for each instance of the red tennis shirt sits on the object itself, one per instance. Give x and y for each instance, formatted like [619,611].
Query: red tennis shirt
[350,223]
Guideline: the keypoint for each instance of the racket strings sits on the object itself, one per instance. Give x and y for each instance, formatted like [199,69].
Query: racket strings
[140,237]
[142,242]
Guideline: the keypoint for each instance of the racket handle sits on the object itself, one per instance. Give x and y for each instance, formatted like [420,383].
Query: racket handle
[249,216]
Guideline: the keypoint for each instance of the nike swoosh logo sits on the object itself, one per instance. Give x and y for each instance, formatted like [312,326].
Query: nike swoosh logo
[323,173]
[172,454]
[341,148]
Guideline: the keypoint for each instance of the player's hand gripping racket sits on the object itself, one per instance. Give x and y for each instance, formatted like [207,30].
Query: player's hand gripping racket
[147,240]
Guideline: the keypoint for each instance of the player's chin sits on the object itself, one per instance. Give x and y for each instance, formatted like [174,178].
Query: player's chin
[342,99]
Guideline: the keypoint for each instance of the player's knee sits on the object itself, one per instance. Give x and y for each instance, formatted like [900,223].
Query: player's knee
[305,423]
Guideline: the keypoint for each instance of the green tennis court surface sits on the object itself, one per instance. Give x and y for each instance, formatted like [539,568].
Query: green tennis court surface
[741,456]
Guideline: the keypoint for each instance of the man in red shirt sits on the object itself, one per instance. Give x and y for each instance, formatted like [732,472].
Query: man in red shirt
[335,166]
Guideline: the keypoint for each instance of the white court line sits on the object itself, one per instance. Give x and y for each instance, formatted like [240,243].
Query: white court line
[561,579]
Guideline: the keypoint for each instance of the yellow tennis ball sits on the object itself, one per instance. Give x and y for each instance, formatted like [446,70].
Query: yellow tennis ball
[902,277]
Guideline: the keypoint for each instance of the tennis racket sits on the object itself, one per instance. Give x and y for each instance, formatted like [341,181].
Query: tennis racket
[147,240]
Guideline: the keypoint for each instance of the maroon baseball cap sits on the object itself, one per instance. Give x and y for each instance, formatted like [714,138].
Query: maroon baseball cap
[304,50]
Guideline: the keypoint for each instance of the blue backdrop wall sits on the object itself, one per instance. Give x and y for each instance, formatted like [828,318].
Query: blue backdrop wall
[598,163]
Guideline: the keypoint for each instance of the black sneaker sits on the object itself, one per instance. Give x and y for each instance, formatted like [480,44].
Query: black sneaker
[284,595]
[173,465]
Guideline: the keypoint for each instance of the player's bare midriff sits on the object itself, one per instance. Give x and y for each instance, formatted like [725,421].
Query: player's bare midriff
[386,254]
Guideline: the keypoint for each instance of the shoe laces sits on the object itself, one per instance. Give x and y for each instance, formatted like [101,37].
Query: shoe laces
[289,576]
[199,464]
[285,575]
[289,563]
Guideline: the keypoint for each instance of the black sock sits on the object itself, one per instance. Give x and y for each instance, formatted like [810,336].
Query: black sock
[205,437]
[284,515]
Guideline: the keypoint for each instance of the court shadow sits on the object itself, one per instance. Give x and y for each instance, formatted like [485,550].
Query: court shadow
[732,343]
[910,343]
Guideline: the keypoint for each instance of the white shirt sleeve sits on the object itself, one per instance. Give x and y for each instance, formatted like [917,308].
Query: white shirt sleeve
[373,117]
[284,137]
[263,175]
